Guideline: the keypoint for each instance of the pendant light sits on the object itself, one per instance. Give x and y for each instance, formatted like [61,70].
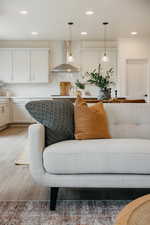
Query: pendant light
[70,58]
[105,57]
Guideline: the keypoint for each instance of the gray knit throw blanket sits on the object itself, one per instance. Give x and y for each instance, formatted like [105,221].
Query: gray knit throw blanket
[57,118]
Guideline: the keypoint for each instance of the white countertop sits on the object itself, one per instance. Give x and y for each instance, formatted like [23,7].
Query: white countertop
[25,97]
[58,96]
[42,97]
[4,97]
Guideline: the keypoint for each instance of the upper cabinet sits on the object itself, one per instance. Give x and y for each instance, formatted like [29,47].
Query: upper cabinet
[20,64]
[24,65]
[5,65]
[39,65]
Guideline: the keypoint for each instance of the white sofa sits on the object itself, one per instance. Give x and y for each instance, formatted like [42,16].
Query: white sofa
[120,162]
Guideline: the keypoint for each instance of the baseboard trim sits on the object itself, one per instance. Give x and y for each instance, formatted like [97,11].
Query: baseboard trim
[4,127]
[15,125]
[20,124]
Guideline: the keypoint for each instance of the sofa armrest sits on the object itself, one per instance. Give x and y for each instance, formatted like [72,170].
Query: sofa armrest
[36,138]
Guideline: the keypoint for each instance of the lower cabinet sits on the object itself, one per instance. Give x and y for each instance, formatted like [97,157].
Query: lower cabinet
[20,114]
[14,111]
[4,114]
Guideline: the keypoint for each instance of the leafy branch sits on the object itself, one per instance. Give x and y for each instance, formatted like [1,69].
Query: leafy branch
[80,85]
[99,79]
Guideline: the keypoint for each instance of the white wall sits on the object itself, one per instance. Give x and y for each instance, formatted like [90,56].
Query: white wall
[56,58]
[133,48]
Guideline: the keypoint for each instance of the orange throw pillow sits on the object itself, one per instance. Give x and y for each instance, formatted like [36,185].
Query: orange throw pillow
[90,122]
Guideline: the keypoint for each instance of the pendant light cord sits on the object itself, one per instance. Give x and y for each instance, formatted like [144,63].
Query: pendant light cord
[105,38]
[105,35]
[70,34]
[70,30]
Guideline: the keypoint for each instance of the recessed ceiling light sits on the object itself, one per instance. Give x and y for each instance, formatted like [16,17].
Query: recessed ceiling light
[89,13]
[23,12]
[84,33]
[35,33]
[134,33]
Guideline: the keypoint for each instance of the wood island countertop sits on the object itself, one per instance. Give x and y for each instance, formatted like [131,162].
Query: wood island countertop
[93,99]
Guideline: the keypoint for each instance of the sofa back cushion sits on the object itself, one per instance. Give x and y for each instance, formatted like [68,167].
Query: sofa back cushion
[56,116]
[128,120]
[90,122]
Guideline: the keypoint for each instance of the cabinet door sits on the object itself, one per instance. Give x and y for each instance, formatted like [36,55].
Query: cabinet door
[4,114]
[5,65]
[39,65]
[20,114]
[21,65]
[1,115]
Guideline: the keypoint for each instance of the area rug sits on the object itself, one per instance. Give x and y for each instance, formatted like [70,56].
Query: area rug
[92,212]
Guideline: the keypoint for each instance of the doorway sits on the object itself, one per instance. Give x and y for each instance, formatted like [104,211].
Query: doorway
[137,78]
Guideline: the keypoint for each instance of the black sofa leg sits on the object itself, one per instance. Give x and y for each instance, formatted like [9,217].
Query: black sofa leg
[53,198]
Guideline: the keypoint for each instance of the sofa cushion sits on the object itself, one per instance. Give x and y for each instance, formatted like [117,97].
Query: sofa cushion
[56,116]
[90,122]
[131,156]
[128,120]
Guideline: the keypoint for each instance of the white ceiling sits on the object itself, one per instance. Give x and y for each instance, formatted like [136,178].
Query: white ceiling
[49,18]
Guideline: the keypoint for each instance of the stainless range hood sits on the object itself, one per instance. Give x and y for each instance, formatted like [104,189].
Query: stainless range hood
[65,67]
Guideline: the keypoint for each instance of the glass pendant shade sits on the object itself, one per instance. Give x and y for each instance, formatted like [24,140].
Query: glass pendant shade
[105,58]
[70,59]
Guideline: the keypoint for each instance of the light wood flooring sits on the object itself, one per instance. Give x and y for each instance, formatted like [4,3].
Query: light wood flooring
[17,184]
[15,181]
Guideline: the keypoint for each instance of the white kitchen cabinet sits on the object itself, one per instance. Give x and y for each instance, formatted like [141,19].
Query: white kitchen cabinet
[20,114]
[39,65]
[5,65]
[12,110]
[24,65]
[4,114]
[21,63]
